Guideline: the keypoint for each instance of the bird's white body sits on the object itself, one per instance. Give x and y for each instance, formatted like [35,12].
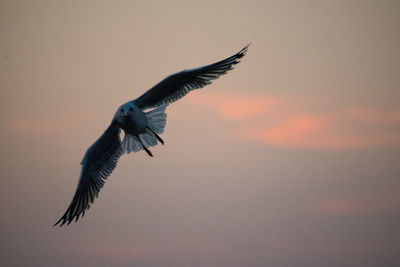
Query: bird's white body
[142,129]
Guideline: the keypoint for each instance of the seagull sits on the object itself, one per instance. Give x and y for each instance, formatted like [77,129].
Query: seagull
[142,120]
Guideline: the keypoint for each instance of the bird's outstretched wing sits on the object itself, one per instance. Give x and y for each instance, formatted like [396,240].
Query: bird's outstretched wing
[179,84]
[98,163]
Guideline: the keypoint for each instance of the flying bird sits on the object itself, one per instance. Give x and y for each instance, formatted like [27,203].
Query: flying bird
[142,120]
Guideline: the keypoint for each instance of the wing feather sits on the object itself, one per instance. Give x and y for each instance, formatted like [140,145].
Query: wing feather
[98,163]
[179,84]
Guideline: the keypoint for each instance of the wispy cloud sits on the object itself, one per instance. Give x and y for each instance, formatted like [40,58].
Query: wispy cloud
[186,247]
[54,123]
[338,130]
[237,107]
[283,122]
[265,119]
[106,249]
[373,203]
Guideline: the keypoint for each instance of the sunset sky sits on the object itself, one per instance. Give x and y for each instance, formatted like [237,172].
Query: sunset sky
[291,159]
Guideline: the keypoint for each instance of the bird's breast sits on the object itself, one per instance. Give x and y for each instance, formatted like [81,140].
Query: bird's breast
[134,123]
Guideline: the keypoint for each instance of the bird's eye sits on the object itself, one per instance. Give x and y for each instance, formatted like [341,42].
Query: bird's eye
[130,109]
[122,110]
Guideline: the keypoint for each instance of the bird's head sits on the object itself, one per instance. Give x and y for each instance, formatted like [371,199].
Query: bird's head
[124,111]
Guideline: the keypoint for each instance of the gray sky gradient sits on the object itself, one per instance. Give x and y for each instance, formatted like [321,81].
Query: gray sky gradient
[291,159]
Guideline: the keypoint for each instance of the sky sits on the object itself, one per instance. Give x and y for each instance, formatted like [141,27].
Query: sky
[291,159]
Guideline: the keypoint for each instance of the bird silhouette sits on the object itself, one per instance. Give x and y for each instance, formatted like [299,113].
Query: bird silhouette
[141,128]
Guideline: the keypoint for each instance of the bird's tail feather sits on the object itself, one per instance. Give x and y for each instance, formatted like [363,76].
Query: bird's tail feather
[157,119]
[131,144]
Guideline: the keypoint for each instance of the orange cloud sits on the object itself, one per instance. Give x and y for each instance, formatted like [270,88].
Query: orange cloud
[112,250]
[237,107]
[372,203]
[337,207]
[298,131]
[48,124]
[374,116]
[323,132]
[151,249]
[281,122]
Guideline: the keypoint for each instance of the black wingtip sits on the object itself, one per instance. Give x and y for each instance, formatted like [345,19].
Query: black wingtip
[58,222]
[243,51]
[67,221]
[67,218]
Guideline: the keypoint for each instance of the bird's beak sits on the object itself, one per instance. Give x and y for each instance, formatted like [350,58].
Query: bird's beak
[124,114]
